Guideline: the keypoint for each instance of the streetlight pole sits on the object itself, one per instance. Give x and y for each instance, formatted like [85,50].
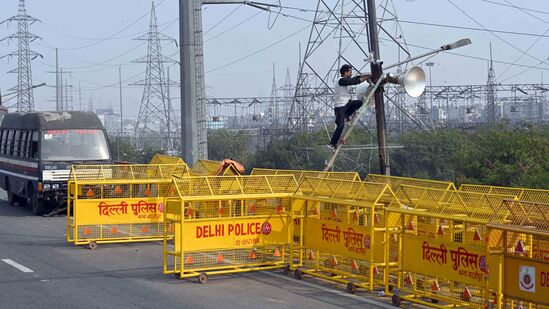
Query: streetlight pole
[430,65]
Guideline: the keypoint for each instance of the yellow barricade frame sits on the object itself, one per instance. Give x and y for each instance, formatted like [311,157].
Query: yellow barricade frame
[396,181]
[118,203]
[164,159]
[204,167]
[341,226]
[470,204]
[525,248]
[300,174]
[517,290]
[443,260]
[208,209]
[523,194]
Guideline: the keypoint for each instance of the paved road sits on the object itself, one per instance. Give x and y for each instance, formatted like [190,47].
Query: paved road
[38,269]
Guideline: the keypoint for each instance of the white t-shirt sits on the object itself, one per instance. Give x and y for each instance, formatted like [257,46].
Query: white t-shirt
[341,90]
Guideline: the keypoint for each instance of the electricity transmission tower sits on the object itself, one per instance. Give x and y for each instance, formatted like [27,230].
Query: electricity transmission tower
[490,92]
[156,124]
[343,25]
[24,88]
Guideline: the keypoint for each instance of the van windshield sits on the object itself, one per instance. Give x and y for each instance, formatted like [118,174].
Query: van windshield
[74,145]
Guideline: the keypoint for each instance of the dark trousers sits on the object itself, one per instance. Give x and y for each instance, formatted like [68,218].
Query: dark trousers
[341,113]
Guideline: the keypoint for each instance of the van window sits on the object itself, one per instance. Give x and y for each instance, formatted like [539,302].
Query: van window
[24,148]
[34,145]
[9,145]
[3,135]
[16,142]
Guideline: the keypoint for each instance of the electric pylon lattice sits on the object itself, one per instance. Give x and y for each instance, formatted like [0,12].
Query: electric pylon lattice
[24,88]
[156,124]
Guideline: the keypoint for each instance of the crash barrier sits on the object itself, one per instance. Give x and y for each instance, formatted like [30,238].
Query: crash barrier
[228,224]
[524,243]
[300,175]
[523,194]
[213,168]
[164,159]
[395,182]
[118,203]
[343,231]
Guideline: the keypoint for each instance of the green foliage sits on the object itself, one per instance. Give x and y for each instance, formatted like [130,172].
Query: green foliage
[124,151]
[308,151]
[224,144]
[504,155]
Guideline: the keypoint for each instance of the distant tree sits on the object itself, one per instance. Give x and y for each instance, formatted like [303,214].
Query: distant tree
[224,144]
[504,155]
[126,152]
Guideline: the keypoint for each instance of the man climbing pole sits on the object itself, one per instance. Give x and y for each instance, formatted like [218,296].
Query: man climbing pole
[344,107]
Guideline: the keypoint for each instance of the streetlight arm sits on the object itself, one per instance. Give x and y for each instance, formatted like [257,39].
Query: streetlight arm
[457,44]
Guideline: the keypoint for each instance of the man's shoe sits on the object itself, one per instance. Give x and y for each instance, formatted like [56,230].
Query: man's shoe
[332,147]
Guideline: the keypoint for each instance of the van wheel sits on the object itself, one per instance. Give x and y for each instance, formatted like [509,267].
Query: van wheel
[21,200]
[11,196]
[38,206]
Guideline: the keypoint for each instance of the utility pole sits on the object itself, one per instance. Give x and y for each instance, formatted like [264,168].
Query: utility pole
[79,97]
[120,87]
[188,80]
[377,71]
[430,65]
[60,90]
[194,140]
[57,80]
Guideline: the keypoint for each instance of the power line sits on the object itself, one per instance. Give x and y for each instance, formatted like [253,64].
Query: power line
[114,34]
[258,51]
[494,34]
[544,35]
[102,63]
[507,5]
[519,57]
[478,58]
[223,19]
[527,13]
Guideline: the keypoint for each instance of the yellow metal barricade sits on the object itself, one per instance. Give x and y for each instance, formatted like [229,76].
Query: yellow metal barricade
[469,204]
[163,159]
[300,175]
[213,168]
[444,251]
[228,224]
[523,194]
[343,231]
[118,203]
[525,248]
[395,182]
[444,260]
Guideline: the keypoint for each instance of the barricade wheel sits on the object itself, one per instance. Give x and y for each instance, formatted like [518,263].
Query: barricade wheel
[298,274]
[287,269]
[92,245]
[203,278]
[351,288]
[396,300]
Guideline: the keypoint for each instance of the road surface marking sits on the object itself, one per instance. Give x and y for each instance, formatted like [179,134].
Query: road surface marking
[18,266]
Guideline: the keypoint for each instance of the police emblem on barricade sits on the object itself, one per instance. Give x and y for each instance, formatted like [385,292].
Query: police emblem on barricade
[527,278]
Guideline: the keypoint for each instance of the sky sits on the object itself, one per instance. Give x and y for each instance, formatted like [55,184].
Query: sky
[241,43]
